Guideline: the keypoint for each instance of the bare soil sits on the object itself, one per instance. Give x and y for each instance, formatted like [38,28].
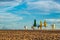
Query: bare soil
[29,34]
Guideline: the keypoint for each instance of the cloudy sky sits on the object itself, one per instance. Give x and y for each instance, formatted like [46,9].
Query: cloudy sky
[15,14]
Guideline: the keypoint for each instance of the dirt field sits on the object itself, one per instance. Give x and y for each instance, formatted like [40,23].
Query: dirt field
[29,34]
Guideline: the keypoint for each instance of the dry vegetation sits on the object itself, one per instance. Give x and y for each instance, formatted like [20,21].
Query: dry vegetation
[29,34]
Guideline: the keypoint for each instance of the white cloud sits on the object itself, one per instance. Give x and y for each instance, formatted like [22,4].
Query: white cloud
[8,17]
[13,3]
[8,5]
[37,0]
[44,6]
[10,21]
[53,20]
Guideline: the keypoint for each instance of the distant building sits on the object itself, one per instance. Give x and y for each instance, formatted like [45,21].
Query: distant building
[40,26]
[45,24]
[25,27]
[34,23]
[33,28]
[53,26]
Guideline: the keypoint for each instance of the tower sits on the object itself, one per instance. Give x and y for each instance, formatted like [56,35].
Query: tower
[53,26]
[34,23]
[25,27]
[40,24]
[45,23]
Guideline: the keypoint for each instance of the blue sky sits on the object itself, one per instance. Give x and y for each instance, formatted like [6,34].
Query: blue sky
[15,14]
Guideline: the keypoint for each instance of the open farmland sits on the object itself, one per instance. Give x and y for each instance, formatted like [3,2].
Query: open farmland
[29,34]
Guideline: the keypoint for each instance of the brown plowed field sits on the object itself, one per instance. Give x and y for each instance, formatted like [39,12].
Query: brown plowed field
[29,34]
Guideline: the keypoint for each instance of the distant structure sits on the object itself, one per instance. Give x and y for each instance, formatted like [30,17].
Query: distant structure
[45,24]
[41,25]
[34,25]
[33,28]
[25,27]
[53,26]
